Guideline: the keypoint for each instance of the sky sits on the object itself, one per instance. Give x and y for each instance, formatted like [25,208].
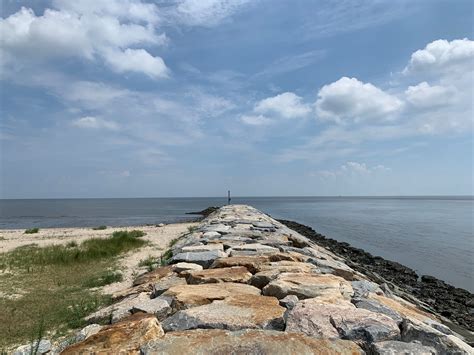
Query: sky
[172,98]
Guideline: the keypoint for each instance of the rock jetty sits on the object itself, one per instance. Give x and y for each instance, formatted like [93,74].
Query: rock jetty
[243,283]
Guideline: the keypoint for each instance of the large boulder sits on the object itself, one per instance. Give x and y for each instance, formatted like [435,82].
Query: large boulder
[43,347]
[180,267]
[320,318]
[262,342]
[413,330]
[199,248]
[125,337]
[404,308]
[252,263]
[393,347]
[304,285]
[185,296]
[165,283]
[271,271]
[153,276]
[227,274]
[377,307]
[233,313]
[204,258]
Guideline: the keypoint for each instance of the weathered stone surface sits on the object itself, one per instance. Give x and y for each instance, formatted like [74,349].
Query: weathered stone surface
[264,225]
[338,268]
[362,288]
[163,284]
[211,234]
[118,310]
[125,337]
[233,313]
[200,248]
[262,342]
[289,301]
[257,247]
[393,347]
[308,286]
[270,271]
[135,290]
[159,306]
[428,336]
[205,259]
[319,317]
[228,274]
[312,317]
[252,263]
[220,228]
[362,325]
[186,296]
[404,308]
[377,307]
[88,331]
[43,347]
[180,267]
[153,276]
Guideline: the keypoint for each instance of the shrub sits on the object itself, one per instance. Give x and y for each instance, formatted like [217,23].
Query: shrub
[32,231]
[99,228]
[150,262]
[132,234]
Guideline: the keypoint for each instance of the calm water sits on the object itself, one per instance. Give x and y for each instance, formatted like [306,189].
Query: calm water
[433,235]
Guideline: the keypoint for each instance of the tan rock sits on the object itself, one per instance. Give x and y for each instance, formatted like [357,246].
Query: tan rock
[135,290]
[199,248]
[185,296]
[306,285]
[406,309]
[180,267]
[264,342]
[233,313]
[227,274]
[271,271]
[153,276]
[318,318]
[252,263]
[125,337]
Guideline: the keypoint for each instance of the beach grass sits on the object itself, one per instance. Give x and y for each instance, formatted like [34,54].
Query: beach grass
[99,228]
[151,262]
[54,287]
[32,231]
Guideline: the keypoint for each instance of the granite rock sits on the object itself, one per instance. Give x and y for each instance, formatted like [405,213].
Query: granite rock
[228,274]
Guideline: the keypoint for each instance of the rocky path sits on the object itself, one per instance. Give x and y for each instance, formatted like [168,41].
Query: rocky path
[242,283]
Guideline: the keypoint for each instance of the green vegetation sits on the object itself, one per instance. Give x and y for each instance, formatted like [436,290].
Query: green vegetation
[99,228]
[51,288]
[173,242]
[106,278]
[132,234]
[150,262]
[32,231]
[166,257]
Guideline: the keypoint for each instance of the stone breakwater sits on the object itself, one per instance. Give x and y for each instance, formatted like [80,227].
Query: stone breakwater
[243,283]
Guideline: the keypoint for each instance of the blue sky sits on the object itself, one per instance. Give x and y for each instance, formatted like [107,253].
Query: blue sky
[129,98]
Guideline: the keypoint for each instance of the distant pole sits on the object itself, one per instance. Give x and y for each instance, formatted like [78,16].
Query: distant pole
[228,197]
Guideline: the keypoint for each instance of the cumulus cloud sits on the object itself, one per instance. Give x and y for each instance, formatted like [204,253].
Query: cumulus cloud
[442,57]
[85,29]
[90,122]
[255,120]
[425,95]
[349,99]
[286,105]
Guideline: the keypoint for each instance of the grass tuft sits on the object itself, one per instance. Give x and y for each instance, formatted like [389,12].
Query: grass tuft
[32,231]
[151,262]
[99,228]
[106,278]
[192,229]
[132,234]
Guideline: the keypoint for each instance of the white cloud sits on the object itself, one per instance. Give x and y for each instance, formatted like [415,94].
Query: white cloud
[206,13]
[353,169]
[425,95]
[286,105]
[255,120]
[349,99]
[90,122]
[442,57]
[137,60]
[85,29]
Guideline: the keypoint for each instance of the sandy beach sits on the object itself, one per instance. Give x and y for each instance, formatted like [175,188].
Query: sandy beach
[158,238]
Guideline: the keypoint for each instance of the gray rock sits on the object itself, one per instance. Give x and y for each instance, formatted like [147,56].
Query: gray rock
[164,284]
[256,247]
[338,268]
[263,225]
[42,347]
[88,331]
[289,301]
[160,307]
[377,307]
[363,287]
[180,267]
[204,259]
[211,234]
[393,347]
[202,248]
[428,336]
[219,228]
